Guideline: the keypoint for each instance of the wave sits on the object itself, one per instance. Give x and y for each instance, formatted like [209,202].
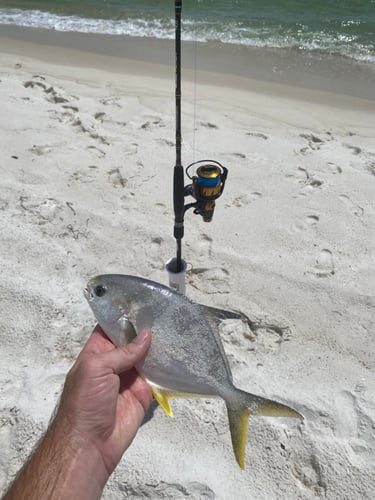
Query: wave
[198,31]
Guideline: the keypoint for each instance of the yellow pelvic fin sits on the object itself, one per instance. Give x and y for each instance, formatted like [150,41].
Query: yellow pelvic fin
[163,397]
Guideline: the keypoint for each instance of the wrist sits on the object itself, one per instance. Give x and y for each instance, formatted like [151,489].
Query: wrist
[63,466]
[85,470]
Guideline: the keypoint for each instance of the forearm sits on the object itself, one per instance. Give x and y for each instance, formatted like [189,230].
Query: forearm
[62,467]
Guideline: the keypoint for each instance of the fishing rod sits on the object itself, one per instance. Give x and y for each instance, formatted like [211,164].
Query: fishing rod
[207,183]
[178,174]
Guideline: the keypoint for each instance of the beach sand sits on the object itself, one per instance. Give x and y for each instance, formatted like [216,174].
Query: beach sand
[87,155]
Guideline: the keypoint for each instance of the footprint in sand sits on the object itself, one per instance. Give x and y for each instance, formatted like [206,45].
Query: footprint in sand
[237,333]
[51,94]
[130,149]
[110,101]
[99,153]
[155,252]
[309,182]
[210,281]
[314,142]
[52,217]
[208,125]
[353,208]
[100,115]
[32,84]
[82,176]
[90,130]
[242,156]
[160,490]
[309,473]
[154,122]
[312,220]
[70,116]
[333,168]
[116,178]
[269,336]
[354,149]
[155,245]
[258,134]
[75,109]
[40,212]
[244,199]
[347,425]
[308,222]
[204,246]
[69,113]
[355,426]
[324,264]
[165,142]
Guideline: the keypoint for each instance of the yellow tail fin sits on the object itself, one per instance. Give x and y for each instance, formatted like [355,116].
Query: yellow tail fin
[269,408]
[238,424]
[239,405]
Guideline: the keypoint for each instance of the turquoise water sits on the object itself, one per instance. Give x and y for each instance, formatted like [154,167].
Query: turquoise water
[323,26]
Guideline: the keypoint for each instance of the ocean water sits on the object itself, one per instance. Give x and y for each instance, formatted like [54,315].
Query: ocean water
[342,27]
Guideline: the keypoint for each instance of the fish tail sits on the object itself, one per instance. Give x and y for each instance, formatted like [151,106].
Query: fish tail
[240,405]
[238,416]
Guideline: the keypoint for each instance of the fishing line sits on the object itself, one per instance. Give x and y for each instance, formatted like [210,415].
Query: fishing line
[195,95]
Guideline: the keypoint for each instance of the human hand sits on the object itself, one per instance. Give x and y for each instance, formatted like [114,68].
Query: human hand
[104,399]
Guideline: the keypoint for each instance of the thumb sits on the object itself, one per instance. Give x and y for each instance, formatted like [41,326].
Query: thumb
[125,357]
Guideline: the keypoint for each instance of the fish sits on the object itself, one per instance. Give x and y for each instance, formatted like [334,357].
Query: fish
[186,357]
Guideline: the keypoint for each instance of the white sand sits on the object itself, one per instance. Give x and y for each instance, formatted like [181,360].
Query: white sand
[86,188]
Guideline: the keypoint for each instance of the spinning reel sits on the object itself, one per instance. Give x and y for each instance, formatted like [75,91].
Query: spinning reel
[206,187]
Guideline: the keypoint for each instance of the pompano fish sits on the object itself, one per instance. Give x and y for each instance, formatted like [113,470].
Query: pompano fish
[186,357]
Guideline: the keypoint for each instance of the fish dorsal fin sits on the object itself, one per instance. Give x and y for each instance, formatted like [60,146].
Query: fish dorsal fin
[162,397]
[216,316]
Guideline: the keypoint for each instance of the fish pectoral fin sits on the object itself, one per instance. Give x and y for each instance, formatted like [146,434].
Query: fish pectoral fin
[162,397]
[269,408]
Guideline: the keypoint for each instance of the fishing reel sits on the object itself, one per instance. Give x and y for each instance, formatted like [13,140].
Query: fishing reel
[206,187]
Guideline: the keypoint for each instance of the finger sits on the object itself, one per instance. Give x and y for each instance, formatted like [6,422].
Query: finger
[98,342]
[124,358]
[131,381]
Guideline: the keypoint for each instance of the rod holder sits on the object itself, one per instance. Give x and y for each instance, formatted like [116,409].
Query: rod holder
[176,275]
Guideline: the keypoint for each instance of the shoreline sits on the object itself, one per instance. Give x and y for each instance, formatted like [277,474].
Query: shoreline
[302,75]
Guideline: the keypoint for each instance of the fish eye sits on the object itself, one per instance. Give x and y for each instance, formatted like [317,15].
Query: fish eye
[100,290]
